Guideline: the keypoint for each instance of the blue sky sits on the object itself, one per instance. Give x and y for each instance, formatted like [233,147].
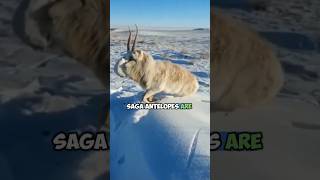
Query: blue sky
[160,13]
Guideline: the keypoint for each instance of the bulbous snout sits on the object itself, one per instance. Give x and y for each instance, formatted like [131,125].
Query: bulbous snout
[118,68]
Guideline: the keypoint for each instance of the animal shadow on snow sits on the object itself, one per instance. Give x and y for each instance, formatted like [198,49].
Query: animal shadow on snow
[174,56]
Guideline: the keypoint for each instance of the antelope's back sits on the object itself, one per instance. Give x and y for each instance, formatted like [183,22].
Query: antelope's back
[245,69]
[83,32]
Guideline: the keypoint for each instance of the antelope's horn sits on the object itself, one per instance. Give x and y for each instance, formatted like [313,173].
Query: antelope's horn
[129,40]
[135,38]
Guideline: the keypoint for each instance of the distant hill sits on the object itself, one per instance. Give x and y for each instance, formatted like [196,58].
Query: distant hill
[200,29]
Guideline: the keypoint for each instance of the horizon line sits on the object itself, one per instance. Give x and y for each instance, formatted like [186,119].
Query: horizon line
[170,27]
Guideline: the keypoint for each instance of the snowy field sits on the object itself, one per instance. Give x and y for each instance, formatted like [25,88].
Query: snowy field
[41,94]
[291,123]
[161,144]
[188,48]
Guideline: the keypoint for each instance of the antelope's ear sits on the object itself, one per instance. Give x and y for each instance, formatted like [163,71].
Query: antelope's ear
[138,55]
[142,56]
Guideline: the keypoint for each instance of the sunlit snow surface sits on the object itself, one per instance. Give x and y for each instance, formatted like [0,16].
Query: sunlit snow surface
[161,144]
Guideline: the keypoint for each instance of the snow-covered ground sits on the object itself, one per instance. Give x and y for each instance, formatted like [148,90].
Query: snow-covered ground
[291,123]
[41,94]
[161,144]
[292,28]
[188,48]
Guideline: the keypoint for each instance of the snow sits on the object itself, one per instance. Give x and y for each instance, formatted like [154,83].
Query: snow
[161,144]
[31,80]
[290,124]
[290,132]
[41,94]
[187,48]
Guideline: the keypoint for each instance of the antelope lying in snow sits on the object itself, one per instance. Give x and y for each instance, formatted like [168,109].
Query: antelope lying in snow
[155,76]
[245,70]
[79,28]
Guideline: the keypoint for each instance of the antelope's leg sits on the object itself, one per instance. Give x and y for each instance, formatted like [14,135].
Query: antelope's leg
[149,95]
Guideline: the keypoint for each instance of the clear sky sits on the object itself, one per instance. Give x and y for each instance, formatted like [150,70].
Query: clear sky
[160,13]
